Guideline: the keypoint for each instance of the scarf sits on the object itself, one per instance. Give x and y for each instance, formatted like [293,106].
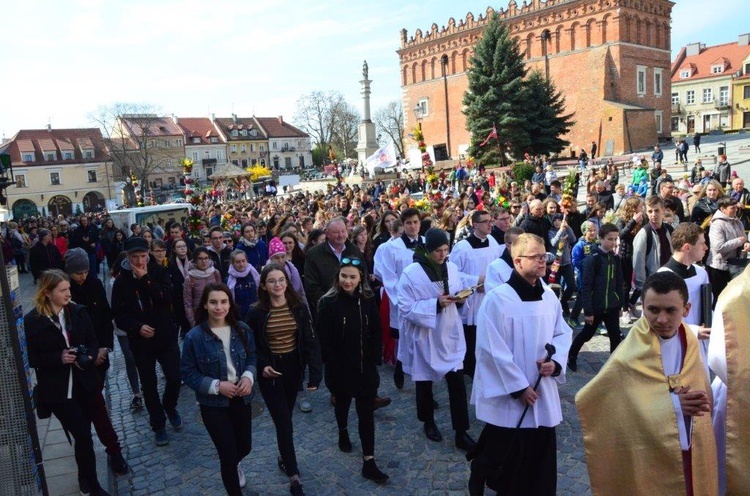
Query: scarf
[182,265]
[250,244]
[235,274]
[201,274]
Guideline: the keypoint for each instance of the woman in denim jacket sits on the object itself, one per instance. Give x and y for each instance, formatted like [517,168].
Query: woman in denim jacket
[218,363]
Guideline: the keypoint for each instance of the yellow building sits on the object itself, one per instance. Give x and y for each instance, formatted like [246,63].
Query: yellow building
[247,144]
[59,171]
[741,98]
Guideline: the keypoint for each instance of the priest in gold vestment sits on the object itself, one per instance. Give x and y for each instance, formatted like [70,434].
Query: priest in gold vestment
[729,358]
[646,415]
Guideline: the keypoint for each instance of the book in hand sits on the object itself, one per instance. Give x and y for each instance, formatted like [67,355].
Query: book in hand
[706,305]
[465,293]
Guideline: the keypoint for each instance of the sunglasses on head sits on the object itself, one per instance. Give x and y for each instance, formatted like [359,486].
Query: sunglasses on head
[351,261]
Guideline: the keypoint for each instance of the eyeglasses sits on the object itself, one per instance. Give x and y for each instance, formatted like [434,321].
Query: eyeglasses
[536,258]
[351,261]
[506,219]
[515,206]
[276,282]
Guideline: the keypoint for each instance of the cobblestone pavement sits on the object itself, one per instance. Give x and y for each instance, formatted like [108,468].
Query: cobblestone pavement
[189,464]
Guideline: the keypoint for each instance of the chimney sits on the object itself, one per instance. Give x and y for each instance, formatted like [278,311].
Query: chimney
[281,119]
[175,119]
[234,118]
[213,117]
[49,128]
[744,40]
[693,49]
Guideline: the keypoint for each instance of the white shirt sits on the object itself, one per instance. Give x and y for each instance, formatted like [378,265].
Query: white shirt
[63,329]
[225,335]
[671,360]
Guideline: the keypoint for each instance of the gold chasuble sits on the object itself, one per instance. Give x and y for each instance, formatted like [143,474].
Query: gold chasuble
[736,303]
[629,423]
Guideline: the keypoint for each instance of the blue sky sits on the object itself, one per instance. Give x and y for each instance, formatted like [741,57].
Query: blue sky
[62,59]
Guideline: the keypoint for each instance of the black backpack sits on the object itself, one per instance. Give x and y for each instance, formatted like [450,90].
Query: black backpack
[650,239]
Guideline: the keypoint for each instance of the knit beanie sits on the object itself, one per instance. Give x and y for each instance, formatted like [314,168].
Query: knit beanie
[275,247]
[434,238]
[76,261]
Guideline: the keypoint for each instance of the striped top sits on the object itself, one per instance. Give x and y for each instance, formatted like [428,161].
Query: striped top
[281,330]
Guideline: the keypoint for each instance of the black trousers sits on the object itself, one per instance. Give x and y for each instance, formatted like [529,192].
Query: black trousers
[230,429]
[567,278]
[280,395]
[74,417]
[470,360]
[169,359]
[516,462]
[456,397]
[719,281]
[627,283]
[365,406]
[611,319]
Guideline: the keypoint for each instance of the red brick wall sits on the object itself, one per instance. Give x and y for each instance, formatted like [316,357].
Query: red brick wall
[592,53]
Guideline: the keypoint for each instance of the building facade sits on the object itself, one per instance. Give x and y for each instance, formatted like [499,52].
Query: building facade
[704,80]
[610,60]
[59,172]
[288,147]
[741,99]
[203,144]
[246,142]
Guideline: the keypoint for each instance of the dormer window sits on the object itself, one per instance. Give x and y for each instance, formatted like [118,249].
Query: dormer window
[28,157]
[214,139]
[196,141]
[67,155]
[243,132]
[234,133]
[685,74]
[88,154]
[253,132]
[717,69]
[49,156]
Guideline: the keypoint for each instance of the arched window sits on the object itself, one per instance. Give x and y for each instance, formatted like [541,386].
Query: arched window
[603,30]
[404,76]
[414,72]
[573,29]
[424,70]
[529,41]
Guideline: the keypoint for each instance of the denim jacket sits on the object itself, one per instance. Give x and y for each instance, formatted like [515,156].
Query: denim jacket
[203,361]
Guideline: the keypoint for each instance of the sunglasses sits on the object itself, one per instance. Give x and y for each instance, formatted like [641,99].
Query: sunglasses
[351,261]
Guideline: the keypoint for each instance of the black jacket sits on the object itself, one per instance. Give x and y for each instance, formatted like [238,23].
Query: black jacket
[147,300]
[43,257]
[92,295]
[45,343]
[178,305]
[601,283]
[352,344]
[307,342]
[91,235]
[321,267]
[539,226]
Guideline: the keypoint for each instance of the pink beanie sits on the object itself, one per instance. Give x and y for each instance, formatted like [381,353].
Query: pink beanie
[275,247]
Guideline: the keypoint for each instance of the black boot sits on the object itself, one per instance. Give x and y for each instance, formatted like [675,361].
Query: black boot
[432,432]
[345,444]
[398,375]
[464,441]
[572,365]
[371,472]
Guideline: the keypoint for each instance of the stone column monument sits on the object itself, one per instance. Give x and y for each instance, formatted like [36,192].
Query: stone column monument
[366,144]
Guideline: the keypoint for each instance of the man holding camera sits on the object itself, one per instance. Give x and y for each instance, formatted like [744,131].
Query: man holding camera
[141,303]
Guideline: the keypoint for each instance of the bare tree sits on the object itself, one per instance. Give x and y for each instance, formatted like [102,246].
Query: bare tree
[316,116]
[346,130]
[389,121]
[131,143]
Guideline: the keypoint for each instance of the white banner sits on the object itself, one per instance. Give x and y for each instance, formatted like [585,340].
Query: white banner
[384,157]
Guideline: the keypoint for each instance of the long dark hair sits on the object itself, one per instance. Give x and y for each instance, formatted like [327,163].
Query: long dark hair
[264,301]
[314,234]
[201,313]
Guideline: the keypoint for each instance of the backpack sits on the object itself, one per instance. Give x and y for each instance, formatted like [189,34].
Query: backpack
[650,240]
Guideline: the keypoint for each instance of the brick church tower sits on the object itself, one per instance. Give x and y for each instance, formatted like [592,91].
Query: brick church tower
[609,58]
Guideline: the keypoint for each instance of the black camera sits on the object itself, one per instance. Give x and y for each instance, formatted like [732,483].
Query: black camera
[83,360]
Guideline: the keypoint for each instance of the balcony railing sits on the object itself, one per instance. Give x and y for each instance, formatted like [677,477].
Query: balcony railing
[677,108]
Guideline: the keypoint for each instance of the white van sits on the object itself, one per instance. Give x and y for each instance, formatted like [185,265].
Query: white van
[126,217]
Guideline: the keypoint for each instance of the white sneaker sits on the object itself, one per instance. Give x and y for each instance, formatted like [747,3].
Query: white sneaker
[625,320]
[305,406]
[241,476]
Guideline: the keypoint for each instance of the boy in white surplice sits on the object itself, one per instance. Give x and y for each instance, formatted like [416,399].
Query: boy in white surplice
[436,345]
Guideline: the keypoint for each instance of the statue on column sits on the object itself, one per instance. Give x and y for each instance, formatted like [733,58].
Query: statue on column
[365,70]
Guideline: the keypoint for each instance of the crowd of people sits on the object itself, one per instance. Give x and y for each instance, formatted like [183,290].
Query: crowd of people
[474,278]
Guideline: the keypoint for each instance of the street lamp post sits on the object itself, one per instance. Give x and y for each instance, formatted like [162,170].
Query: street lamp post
[419,115]
[444,60]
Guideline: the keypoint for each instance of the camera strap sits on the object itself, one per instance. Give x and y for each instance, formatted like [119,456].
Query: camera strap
[66,329]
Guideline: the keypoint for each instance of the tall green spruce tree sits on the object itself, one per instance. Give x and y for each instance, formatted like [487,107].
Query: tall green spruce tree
[500,94]
[545,115]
